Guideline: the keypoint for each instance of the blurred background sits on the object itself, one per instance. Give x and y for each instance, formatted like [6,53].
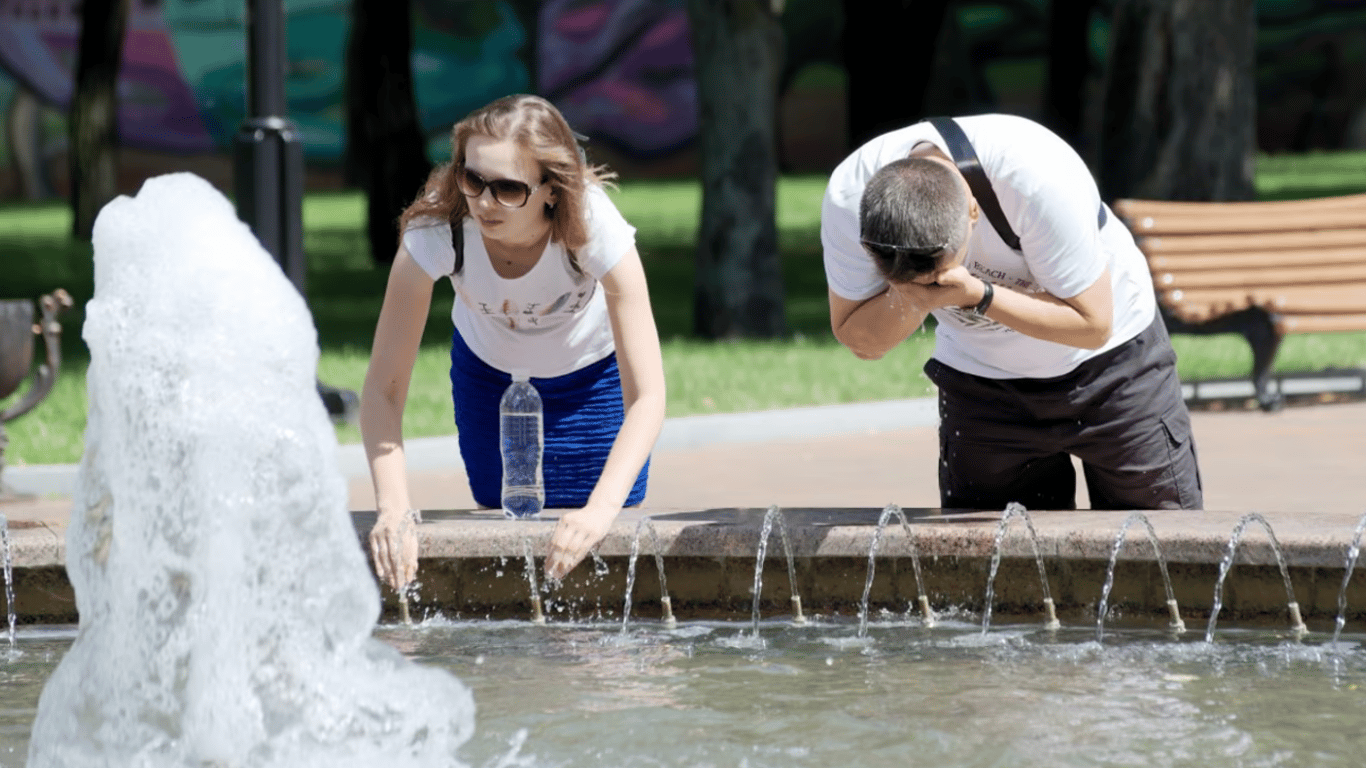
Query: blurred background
[623,73]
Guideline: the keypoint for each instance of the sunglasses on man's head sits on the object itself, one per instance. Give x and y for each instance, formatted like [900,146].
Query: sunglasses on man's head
[509,193]
[889,251]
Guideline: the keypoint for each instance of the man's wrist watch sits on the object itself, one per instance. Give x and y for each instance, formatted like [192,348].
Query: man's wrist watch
[988,293]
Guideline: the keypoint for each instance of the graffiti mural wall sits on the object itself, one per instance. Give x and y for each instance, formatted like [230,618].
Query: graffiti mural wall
[621,70]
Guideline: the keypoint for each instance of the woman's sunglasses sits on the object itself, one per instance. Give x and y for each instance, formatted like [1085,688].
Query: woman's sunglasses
[509,193]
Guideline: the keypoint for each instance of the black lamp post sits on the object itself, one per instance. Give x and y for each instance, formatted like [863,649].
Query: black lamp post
[268,157]
[268,164]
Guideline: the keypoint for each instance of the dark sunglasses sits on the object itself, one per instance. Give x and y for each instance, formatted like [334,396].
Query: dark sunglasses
[892,252]
[509,193]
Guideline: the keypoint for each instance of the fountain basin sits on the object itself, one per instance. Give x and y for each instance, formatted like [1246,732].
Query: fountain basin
[472,565]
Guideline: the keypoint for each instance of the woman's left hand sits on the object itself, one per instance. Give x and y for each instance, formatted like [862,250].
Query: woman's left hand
[577,532]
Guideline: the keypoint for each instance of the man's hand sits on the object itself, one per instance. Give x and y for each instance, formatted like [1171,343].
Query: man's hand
[577,532]
[954,287]
[393,547]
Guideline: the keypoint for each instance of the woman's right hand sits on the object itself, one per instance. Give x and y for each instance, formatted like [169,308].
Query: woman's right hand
[393,540]
[393,548]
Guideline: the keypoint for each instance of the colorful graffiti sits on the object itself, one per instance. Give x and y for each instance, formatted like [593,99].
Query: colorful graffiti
[620,70]
[181,88]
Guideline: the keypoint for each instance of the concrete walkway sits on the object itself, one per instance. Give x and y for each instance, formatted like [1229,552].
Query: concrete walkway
[1303,459]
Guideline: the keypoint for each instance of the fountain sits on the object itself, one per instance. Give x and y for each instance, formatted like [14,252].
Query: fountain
[570,692]
[774,515]
[226,606]
[1353,552]
[1177,625]
[537,613]
[10,614]
[1014,510]
[922,599]
[666,604]
[1292,605]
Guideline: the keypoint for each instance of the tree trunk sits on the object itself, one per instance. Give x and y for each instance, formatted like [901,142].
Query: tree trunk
[386,150]
[93,117]
[1179,119]
[1069,64]
[738,48]
[888,43]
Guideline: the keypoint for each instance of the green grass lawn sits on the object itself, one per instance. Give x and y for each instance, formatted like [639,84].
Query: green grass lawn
[808,368]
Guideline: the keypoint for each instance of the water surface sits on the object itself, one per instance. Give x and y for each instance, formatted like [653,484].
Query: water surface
[714,694]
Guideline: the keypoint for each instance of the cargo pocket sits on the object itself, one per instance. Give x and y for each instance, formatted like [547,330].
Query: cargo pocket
[1183,468]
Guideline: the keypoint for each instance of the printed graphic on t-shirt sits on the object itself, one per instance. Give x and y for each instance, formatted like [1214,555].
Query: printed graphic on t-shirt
[976,322]
[999,277]
[533,314]
[580,299]
[556,304]
[1022,284]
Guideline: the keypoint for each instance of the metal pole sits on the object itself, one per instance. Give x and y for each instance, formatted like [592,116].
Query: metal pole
[268,166]
[268,157]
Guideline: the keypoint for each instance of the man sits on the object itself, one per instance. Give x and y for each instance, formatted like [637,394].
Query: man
[1048,341]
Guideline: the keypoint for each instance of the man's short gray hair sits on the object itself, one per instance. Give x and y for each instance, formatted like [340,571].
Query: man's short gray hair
[913,211]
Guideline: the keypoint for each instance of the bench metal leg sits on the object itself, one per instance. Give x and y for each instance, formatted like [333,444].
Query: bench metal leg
[1259,328]
[1261,335]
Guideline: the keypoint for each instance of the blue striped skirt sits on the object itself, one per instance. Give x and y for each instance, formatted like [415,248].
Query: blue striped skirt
[582,414]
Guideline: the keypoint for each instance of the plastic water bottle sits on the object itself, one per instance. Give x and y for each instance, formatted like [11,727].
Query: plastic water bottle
[520,433]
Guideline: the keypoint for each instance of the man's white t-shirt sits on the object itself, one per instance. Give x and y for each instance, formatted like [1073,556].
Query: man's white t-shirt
[550,321]
[1051,201]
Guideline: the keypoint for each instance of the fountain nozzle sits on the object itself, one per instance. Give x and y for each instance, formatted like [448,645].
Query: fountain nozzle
[926,613]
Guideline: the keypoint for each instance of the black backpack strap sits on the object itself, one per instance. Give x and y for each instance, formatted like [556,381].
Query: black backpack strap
[965,157]
[458,244]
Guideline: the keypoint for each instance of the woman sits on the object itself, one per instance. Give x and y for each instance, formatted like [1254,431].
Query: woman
[548,279]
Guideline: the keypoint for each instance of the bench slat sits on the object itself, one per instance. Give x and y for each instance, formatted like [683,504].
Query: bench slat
[1261,241]
[1233,222]
[1182,262]
[1321,323]
[1134,207]
[1201,304]
[1271,277]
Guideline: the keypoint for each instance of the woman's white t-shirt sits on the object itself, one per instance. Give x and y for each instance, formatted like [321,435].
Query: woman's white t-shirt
[1051,201]
[550,321]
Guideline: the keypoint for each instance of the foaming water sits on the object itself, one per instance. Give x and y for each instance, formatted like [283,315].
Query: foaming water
[226,605]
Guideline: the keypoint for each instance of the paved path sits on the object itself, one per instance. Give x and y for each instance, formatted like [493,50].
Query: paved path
[1303,459]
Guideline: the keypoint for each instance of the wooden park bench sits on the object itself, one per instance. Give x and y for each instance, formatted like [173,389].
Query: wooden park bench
[1261,269]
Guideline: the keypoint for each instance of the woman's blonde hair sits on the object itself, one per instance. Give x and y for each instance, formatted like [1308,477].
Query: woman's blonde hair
[537,126]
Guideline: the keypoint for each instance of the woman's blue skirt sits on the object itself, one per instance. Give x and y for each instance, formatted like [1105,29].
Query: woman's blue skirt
[582,414]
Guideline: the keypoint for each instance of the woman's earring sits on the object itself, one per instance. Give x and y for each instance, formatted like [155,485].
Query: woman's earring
[550,210]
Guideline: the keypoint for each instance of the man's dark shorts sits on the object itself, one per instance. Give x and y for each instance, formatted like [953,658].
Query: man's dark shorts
[1121,413]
